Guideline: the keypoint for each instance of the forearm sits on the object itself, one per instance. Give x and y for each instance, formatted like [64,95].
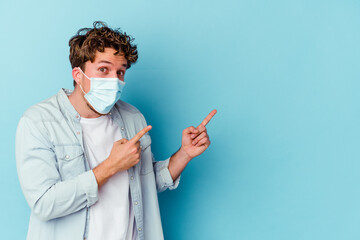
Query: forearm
[177,163]
[66,197]
[103,172]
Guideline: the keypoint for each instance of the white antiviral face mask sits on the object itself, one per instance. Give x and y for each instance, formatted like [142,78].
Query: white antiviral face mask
[104,93]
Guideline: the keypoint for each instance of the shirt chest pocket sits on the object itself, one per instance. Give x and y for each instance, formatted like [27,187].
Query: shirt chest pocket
[146,164]
[70,160]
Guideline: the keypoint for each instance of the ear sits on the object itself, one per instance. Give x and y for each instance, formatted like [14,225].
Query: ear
[76,74]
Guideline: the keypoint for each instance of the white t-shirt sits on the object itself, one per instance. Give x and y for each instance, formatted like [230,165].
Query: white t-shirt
[111,217]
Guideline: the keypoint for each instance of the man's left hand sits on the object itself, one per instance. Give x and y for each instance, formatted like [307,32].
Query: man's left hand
[196,140]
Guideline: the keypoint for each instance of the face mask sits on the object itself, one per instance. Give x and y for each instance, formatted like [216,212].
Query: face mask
[104,93]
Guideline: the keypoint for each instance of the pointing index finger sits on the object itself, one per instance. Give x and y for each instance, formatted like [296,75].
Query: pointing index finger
[140,134]
[208,117]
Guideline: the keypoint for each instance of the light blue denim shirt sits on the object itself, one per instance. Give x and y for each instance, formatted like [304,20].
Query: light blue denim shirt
[57,182]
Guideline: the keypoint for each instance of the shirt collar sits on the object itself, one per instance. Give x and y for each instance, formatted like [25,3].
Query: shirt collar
[65,103]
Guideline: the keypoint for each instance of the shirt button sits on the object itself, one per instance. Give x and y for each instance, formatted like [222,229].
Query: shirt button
[122,128]
[136,203]
[139,229]
[67,156]
[109,113]
[132,178]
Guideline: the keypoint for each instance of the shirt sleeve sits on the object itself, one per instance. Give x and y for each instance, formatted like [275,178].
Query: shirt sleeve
[163,177]
[48,196]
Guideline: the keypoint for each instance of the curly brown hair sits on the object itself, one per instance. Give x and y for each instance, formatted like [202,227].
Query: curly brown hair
[87,41]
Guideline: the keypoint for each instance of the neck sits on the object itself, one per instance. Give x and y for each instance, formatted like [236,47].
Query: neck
[78,101]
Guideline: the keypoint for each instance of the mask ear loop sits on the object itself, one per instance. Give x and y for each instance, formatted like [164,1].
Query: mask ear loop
[82,89]
[86,77]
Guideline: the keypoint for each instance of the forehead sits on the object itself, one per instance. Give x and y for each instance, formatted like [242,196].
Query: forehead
[108,57]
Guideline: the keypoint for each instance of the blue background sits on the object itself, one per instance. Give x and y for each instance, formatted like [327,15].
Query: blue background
[284,76]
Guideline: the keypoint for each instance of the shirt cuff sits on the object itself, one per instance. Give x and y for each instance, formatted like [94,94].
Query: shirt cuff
[165,175]
[89,184]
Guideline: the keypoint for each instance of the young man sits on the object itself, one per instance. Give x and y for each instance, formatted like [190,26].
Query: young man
[84,158]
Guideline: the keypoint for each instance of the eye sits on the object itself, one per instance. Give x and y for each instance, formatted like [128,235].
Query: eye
[103,69]
[121,73]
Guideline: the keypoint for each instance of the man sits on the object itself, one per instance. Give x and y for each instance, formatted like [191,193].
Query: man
[84,158]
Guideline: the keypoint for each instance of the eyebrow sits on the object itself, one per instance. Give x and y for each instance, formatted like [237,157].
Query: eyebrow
[107,62]
[103,61]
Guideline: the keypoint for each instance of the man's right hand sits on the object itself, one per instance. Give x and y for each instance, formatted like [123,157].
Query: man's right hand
[124,155]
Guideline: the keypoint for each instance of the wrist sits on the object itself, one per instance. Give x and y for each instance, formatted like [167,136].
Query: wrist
[178,162]
[103,172]
[184,155]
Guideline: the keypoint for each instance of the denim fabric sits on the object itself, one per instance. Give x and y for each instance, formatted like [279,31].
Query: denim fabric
[56,179]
